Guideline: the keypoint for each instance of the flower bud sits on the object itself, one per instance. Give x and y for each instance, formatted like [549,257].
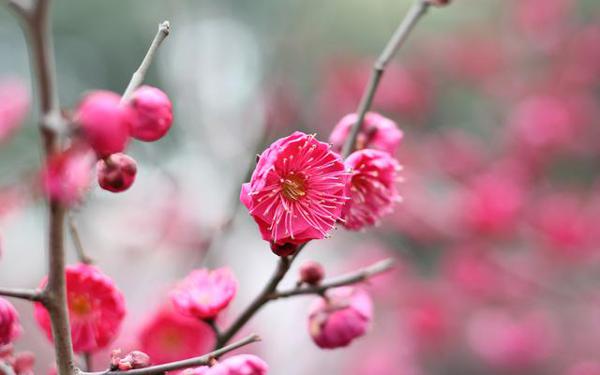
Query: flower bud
[9,322]
[116,173]
[152,114]
[66,175]
[283,250]
[311,272]
[345,315]
[104,122]
[133,360]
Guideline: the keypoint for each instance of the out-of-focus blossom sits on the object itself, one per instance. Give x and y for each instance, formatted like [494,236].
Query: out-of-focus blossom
[116,172]
[151,116]
[242,364]
[564,225]
[21,362]
[169,336]
[297,190]
[205,293]
[67,175]
[104,122]
[96,308]
[377,132]
[372,189]
[584,368]
[311,272]
[492,203]
[456,153]
[542,20]
[345,315]
[509,342]
[14,104]
[132,360]
[10,328]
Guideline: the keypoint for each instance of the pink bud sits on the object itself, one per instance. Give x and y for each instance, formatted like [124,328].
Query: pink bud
[283,250]
[344,316]
[133,360]
[116,172]
[23,363]
[311,272]
[104,122]
[152,114]
[243,364]
[9,322]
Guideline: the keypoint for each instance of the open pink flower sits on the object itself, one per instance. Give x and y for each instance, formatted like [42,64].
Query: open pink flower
[10,328]
[376,132]
[169,336]
[297,190]
[343,317]
[96,308]
[14,103]
[67,175]
[243,364]
[204,293]
[372,188]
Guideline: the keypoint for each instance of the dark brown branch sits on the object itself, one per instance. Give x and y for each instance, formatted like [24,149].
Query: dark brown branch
[186,363]
[418,9]
[33,295]
[349,279]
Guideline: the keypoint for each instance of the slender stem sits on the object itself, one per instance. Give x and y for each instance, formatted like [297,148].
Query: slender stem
[186,363]
[81,254]
[6,369]
[417,10]
[215,328]
[33,295]
[349,279]
[138,76]
[259,301]
[36,23]
[87,360]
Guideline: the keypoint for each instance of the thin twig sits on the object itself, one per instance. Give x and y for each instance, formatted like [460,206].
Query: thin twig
[215,328]
[186,363]
[6,369]
[283,266]
[418,9]
[349,279]
[87,360]
[81,254]
[164,28]
[33,295]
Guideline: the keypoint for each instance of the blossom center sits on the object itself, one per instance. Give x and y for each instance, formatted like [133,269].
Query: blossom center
[294,186]
[80,305]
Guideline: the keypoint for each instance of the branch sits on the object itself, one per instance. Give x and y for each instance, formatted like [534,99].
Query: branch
[186,363]
[418,9]
[33,295]
[138,77]
[259,301]
[81,254]
[349,279]
[6,369]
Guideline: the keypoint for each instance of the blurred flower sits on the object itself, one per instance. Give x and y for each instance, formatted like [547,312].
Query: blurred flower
[241,364]
[151,116]
[376,132]
[10,328]
[584,368]
[169,336]
[104,122]
[67,175]
[509,342]
[116,172]
[21,363]
[297,190]
[14,104]
[343,316]
[204,293]
[96,308]
[372,188]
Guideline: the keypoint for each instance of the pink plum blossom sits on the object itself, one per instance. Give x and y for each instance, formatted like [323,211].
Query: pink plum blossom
[377,132]
[242,364]
[10,328]
[14,104]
